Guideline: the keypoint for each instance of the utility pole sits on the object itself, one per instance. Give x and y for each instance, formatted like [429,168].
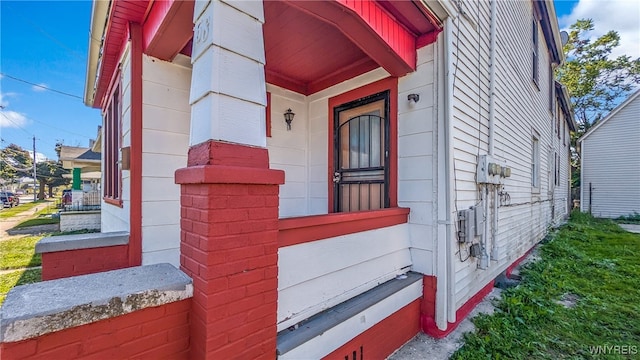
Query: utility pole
[35,196]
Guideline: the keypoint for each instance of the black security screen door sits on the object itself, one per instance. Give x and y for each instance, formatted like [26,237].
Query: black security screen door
[361,140]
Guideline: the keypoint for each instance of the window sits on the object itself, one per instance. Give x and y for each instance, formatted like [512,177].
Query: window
[111,141]
[361,154]
[534,51]
[557,173]
[535,164]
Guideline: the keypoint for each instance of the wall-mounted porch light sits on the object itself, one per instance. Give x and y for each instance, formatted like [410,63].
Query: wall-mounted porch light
[288,118]
[413,97]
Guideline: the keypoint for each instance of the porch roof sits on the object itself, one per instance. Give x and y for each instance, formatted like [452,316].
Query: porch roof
[309,45]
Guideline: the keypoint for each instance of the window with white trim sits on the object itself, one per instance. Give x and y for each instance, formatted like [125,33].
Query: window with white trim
[535,164]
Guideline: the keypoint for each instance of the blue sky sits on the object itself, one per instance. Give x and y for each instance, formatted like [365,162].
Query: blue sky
[46,43]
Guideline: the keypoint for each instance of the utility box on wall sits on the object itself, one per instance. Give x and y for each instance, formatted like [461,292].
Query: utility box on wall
[491,170]
[466,225]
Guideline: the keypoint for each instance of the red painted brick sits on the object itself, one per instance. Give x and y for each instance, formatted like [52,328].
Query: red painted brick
[69,351]
[228,323]
[224,242]
[244,304]
[18,350]
[263,213]
[385,337]
[261,287]
[271,272]
[264,190]
[217,341]
[246,277]
[223,297]
[209,286]
[245,252]
[62,264]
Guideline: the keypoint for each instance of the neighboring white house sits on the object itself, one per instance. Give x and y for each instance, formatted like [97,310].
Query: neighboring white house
[610,162]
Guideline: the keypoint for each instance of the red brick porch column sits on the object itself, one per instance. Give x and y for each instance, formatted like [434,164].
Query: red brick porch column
[229,233]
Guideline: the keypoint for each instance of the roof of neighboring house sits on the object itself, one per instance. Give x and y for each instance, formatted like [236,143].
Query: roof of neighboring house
[71,152]
[610,115]
[90,155]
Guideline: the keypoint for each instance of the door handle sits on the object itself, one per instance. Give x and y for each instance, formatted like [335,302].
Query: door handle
[336,177]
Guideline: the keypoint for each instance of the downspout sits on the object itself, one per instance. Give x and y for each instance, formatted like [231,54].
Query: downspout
[449,167]
[492,97]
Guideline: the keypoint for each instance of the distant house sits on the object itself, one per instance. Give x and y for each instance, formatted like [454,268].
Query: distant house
[610,168]
[84,164]
[380,160]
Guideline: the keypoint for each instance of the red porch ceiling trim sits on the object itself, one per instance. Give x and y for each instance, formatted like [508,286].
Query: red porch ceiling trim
[115,39]
[168,28]
[371,28]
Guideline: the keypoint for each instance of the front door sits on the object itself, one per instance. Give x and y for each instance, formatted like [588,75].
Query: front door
[361,156]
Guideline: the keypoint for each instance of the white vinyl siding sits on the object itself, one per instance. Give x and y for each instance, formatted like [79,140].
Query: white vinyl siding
[519,108]
[165,140]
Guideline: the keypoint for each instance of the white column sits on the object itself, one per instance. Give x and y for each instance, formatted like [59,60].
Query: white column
[228,91]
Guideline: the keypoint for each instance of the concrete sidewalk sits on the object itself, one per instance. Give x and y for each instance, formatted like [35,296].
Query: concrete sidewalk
[634,228]
[424,347]
[9,223]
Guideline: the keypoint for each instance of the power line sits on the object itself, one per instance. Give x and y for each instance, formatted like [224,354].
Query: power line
[14,123]
[41,86]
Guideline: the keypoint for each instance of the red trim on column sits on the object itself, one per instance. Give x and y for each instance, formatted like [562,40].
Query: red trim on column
[222,153]
[135,172]
[390,84]
[383,338]
[168,28]
[293,231]
[428,322]
[228,245]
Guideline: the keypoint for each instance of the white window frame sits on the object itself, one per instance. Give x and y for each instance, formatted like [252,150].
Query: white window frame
[535,163]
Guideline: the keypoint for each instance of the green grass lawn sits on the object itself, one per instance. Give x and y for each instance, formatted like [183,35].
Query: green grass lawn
[19,253]
[40,220]
[592,262]
[18,277]
[9,212]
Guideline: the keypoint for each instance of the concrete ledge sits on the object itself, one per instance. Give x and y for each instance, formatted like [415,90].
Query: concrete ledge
[41,308]
[320,324]
[81,241]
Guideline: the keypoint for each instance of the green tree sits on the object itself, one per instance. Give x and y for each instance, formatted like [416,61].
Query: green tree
[15,162]
[596,81]
[49,174]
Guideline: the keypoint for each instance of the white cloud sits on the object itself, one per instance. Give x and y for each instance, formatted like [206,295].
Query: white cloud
[40,87]
[622,16]
[12,119]
[3,101]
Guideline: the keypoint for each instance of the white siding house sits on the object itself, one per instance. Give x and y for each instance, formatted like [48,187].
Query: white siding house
[428,143]
[610,162]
